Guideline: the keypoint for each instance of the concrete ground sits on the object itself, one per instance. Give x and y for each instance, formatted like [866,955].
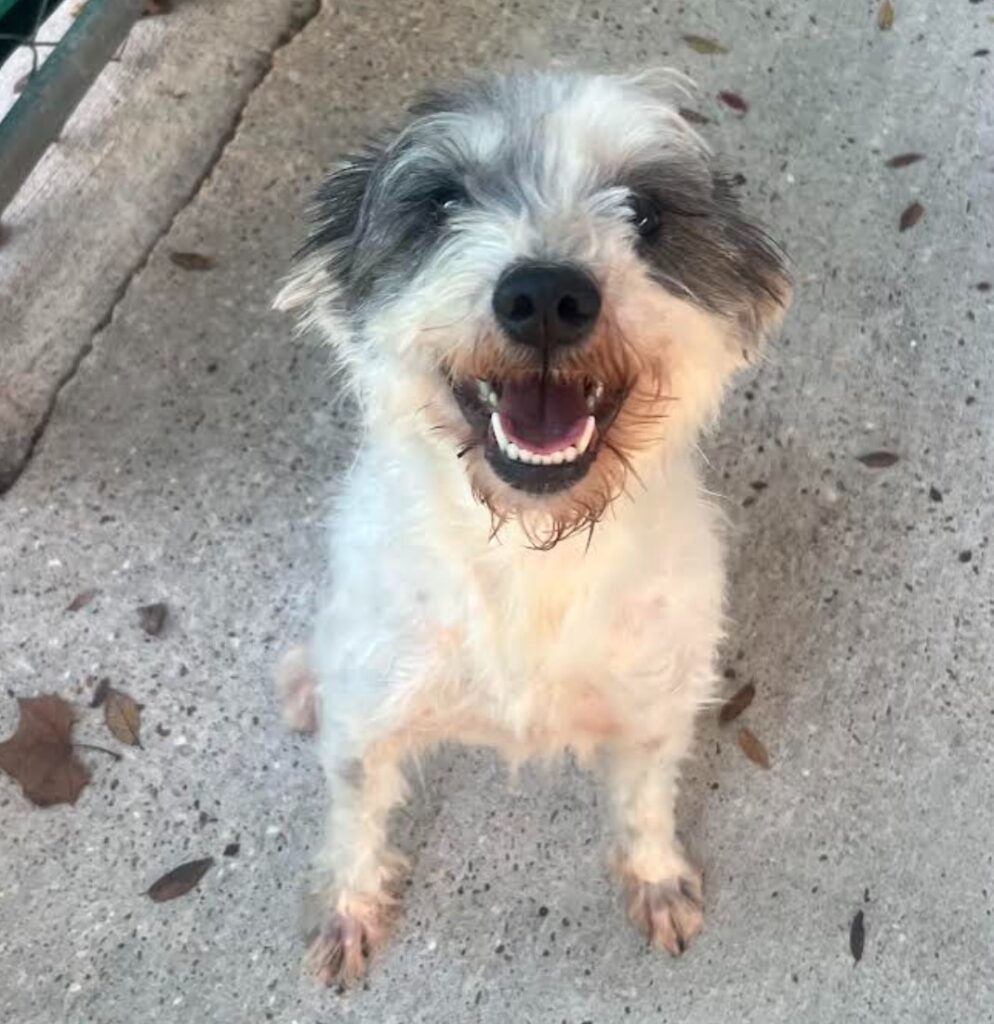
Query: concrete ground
[189,456]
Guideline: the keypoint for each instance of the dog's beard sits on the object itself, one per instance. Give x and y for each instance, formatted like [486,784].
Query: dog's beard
[550,444]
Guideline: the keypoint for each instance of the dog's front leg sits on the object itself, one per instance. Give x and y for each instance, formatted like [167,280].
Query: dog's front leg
[361,894]
[662,888]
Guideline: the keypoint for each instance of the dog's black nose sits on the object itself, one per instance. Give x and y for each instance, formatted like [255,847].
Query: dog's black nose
[546,305]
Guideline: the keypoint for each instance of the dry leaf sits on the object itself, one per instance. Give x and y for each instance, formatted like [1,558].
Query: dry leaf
[701,45]
[753,749]
[733,100]
[911,216]
[123,717]
[100,693]
[40,754]
[154,7]
[885,16]
[857,937]
[179,881]
[905,159]
[82,599]
[693,116]
[192,260]
[878,460]
[736,704]
[152,617]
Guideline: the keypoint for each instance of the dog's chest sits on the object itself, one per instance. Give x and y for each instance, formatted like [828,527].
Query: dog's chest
[541,652]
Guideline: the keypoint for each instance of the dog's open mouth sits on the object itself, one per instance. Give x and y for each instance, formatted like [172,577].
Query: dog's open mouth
[540,432]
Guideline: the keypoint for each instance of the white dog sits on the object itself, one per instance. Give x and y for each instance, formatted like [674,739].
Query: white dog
[537,290]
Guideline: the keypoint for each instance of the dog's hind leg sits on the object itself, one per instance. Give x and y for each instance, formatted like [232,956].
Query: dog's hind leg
[361,897]
[296,685]
[663,889]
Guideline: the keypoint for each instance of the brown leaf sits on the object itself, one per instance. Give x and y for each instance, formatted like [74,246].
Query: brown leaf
[152,617]
[733,100]
[736,704]
[100,693]
[154,7]
[693,116]
[180,880]
[885,16]
[911,216]
[40,754]
[699,44]
[192,260]
[905,159]
[82,599]
[878,460]
[123,717]
[753,749]
[857,937]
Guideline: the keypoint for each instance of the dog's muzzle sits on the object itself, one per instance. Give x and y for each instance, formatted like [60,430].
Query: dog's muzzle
[541,427]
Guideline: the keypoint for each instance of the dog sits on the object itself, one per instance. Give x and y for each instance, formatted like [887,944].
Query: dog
[536,289]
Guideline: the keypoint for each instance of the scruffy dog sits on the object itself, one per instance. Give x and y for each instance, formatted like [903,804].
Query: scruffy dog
[537,290]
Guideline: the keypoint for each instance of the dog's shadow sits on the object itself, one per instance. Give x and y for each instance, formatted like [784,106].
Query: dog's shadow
[788,524]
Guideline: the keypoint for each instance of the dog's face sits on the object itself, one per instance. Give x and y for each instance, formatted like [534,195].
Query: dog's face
[545,275]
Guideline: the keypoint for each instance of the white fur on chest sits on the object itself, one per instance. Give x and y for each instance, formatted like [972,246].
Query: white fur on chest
[431,621]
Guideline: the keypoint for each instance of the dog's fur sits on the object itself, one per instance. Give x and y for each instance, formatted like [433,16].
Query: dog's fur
[463,604]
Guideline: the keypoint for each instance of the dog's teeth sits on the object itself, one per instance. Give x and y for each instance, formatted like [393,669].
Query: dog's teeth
[498,429]
[596,394]
[586,436]
[517,453]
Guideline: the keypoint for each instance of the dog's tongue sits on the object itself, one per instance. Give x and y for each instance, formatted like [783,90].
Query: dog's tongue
[544,415]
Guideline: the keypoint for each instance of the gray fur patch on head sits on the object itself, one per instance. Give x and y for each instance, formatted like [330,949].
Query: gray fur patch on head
[708,251]
[546,156]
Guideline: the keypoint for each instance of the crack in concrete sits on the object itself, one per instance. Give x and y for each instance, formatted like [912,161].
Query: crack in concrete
[300,15]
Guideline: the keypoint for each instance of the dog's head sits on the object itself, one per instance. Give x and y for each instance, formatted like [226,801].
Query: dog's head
[546,276]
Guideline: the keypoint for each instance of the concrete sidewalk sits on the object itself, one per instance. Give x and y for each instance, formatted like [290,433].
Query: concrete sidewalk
[189,459]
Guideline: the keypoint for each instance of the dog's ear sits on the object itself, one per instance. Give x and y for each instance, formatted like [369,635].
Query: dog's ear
[758,266]
[323,262]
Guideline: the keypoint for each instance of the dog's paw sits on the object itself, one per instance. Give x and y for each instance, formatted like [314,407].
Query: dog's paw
[297,686]
[348,938]
[669,913]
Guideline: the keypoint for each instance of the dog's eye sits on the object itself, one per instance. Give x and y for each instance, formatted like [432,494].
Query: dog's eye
[446,201]
[644,215]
